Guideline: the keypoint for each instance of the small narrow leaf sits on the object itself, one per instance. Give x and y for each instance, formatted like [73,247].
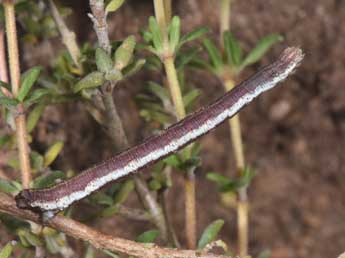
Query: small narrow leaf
[113,5]
[210,233]
[48,180]
[261,48]
[174,33]
[52,153]
[124,53]
[34,116]
[8,102]
[111,254]
[190,97]
[133,68]
[214,54]
[232,49]
[6,251]
[156,34]
[27,81]
[159,91]
[91,80]
[103,60]
[218,178]
[124,191]
[197,33]
[7,187]
[36,95]
[148,236]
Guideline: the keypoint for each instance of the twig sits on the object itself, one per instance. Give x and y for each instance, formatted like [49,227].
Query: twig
[68,36]
[236,138]
[3,63]
[176,95]
[12,44]
[115,126]
[98,240]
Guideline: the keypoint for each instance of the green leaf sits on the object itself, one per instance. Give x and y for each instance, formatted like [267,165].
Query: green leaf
[210,233]
[159,91]
[48,180]
[197,33]
[36,160]
[184,58]
[33,239]
[113,75]
[36,95]
[6,251]
[33,117]
[91,80]
[156,34]
[214,54]
[133,68]
[173,160]
[7,187]
[125,190]
[4,139]
[110,211]
[190,97]
[8,102]
[52,153]
[90,252]
[148,236]
[113,5]
[243,181]
[232,49]
[27,81]
[261,48]
[267,254]
[5,85]
[219,179]
[103,61]
[124,53]
[174,33]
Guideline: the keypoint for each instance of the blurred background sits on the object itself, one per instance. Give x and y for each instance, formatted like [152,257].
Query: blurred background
[293,135]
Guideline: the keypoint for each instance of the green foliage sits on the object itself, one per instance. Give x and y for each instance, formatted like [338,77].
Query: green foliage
[233,54]
[8,187]
[148,236]
[124,53]
[7,250]
[52,153]
[48,179]
[264,254]
[27,81]
[114,5]
[210,233]
[229,185]
[103,61]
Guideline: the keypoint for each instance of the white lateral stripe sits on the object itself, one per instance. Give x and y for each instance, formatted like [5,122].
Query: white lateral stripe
[174,145]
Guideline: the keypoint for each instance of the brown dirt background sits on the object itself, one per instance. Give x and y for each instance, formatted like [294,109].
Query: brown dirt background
[293,135]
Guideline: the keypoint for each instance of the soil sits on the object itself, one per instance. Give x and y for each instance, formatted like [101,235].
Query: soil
[293,135]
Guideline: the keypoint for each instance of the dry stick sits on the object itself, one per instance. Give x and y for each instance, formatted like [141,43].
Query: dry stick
[114,122]
[236,138]
[161,9]
[12,44]
[97,239]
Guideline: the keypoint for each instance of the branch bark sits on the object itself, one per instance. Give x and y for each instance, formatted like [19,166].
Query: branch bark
[99,240]
[114,123]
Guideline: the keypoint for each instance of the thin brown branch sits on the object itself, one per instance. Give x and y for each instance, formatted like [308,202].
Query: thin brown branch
[99,240]
[114,124]
[20,121]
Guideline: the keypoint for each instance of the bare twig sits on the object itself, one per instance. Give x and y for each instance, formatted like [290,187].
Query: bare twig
[114,123]
[236,138]
[68,36]
[98,240]
[12,44]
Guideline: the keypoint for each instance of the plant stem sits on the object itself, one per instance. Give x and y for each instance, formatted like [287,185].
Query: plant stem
[176,95]
[174,87]
[20,121]
[224,21]
[242,203]
[236,138]
[114,122]
[99,240]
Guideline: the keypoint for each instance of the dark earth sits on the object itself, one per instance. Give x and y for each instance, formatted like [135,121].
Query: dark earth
[293,135]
